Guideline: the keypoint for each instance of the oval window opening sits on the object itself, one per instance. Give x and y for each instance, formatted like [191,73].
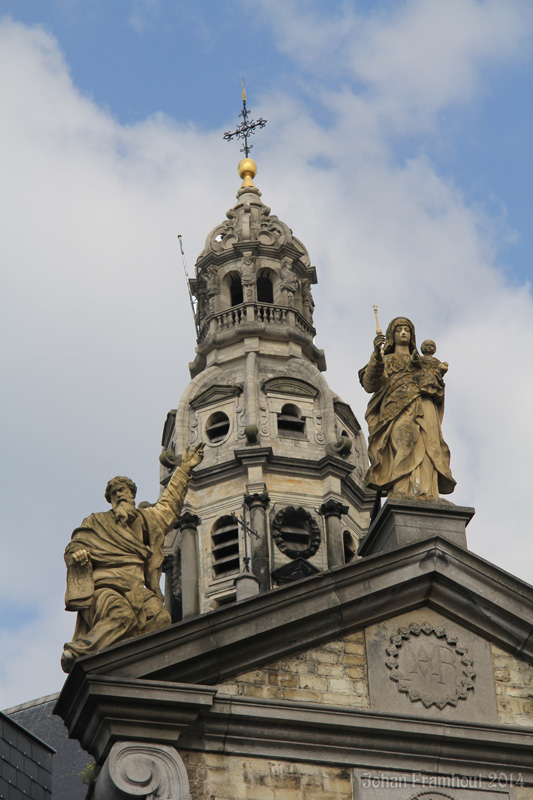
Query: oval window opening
[217,427]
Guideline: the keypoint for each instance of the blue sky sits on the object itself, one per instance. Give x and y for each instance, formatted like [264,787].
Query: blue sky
[397,149]
[186,59]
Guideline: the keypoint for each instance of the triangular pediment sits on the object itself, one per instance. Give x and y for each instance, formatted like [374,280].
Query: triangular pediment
[294,571]
[433,574]
[215,394]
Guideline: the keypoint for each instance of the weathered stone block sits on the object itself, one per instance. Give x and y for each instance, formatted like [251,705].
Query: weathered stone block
[514,693]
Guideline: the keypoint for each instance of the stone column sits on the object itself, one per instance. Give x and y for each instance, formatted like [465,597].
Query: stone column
[250,397]
[258,503]
[332,511]
[142,770]
[190,564]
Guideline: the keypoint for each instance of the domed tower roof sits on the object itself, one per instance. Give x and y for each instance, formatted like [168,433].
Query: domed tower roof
[250,220]
[253,278]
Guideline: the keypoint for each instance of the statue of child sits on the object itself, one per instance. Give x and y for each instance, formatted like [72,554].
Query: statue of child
[433,370]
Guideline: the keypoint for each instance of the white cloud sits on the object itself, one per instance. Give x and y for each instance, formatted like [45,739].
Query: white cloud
[97,310]
[430,54]
[412,59]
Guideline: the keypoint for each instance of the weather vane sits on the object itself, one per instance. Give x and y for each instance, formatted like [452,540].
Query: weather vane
[247,128]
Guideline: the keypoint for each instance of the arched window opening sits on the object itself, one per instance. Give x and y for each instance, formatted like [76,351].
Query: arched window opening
[290,421]
[350,547]
[265,290]
[217,427]
[225,547]
[235,290]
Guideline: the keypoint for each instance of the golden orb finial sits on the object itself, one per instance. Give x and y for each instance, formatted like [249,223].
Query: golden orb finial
[247,170]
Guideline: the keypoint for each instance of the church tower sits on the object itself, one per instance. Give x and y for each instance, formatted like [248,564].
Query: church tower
[284,454]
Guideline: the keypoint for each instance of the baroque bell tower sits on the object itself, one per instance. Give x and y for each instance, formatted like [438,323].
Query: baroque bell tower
[280,494]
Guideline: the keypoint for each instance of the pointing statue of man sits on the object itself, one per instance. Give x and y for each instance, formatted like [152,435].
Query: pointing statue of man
[114,564]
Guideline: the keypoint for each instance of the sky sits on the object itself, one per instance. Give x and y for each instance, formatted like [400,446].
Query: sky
[398,149]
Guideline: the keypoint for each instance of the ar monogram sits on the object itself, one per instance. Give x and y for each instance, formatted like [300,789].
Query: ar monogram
[432,661]
[435,670]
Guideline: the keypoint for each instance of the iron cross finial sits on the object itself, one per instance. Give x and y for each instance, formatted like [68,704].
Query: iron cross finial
[246,530]
[247,127]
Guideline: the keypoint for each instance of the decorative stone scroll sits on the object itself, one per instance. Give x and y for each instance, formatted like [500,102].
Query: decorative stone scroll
[142,771]
[436,670]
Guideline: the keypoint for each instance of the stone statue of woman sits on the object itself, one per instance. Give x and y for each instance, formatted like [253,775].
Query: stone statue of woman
[408,456]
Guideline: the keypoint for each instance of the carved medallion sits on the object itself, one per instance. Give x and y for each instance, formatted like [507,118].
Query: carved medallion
[433,668]
[295,532]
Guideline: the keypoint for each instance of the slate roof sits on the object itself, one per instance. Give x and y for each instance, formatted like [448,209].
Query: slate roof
[39,733]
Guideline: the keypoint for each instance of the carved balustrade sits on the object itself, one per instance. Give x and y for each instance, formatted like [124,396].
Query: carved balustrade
[259,312]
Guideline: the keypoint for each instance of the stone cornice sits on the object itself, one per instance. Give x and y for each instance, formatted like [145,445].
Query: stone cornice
[274,252]
[284,465]
[351,737]
[107,710]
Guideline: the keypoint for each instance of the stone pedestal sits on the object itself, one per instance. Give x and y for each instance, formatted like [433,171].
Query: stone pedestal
[246,585]
[403,522]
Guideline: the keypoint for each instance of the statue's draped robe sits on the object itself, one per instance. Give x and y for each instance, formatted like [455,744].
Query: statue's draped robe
[127,562]
[408,455]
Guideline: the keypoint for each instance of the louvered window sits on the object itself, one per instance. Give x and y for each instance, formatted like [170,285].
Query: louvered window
[290,420]
[225,543]
[295,533]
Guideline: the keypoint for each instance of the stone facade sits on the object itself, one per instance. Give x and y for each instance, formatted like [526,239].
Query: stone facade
[334,673]
[214,775]
[514,688]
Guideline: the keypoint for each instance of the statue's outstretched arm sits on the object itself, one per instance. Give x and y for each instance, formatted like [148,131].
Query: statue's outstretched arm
[168,507]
